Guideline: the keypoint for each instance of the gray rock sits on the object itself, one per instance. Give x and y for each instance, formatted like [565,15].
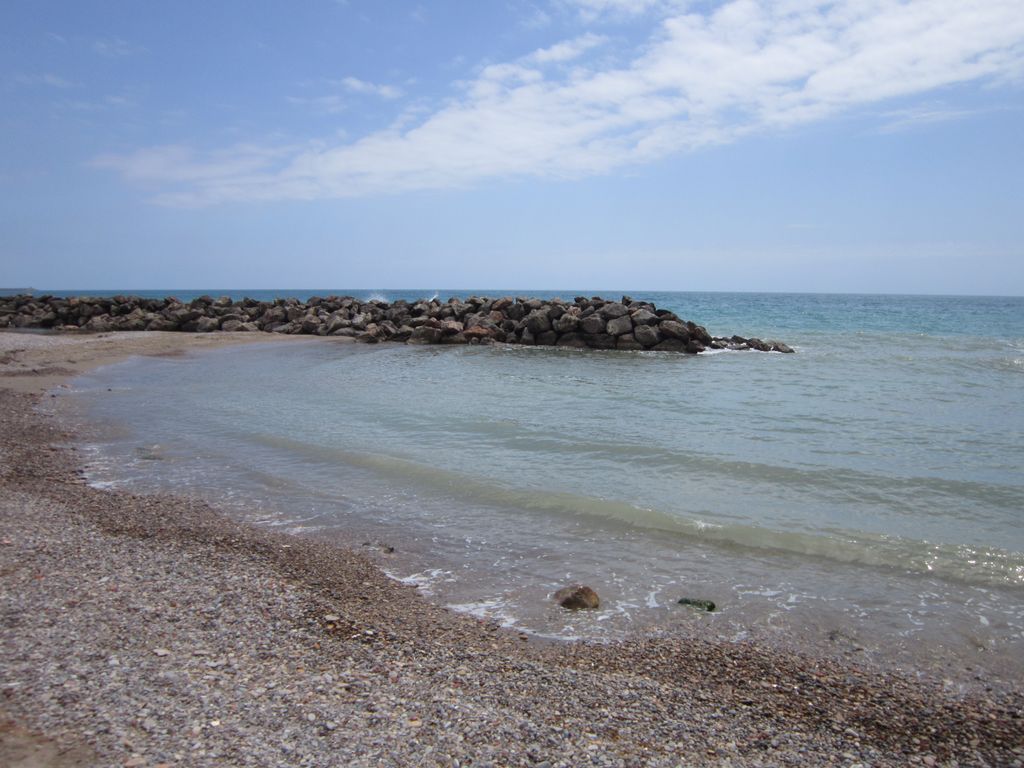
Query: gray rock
[674,330]
[648,335]
[644,317]
[628,341]
[425,335]
[567,323]
[619,325]
[601,341]
[613,310]
[571,340]
[670,345]
[207,324]
[538,322]
[593,324]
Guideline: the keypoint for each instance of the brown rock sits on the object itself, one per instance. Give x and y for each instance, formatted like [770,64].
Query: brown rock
[577,597]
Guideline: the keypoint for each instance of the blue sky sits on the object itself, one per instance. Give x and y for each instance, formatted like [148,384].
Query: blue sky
[591,144]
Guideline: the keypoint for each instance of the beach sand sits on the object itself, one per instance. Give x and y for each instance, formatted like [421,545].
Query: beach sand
[147,630]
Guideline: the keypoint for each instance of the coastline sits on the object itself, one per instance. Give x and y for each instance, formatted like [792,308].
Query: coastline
[150,629]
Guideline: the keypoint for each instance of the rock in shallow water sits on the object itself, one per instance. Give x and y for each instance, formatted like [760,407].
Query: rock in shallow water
[577,597]
[704,605]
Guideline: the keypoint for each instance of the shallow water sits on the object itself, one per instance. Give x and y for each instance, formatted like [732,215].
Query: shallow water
[862,496]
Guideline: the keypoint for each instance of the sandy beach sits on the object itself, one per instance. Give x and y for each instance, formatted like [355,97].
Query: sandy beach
[153,630]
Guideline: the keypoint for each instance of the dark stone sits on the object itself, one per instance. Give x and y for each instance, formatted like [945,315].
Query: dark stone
[515,312]
[613,310]
[627,341]
[567,323]
[601,341]
[207,324]
[670,345]
[619,325]
[547,339]
[674,330]
[571,340]
[648,335]
[451,327]
[704,605]
[425,335]
[644,317]
[759,345]
[592,324]
[577,597]
[538,322]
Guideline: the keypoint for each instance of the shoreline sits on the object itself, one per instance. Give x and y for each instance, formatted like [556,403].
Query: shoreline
[296,647]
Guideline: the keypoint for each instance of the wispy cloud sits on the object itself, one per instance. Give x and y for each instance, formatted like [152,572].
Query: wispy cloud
[592,10]
[114,47]
[46,79]
[907,119]
[567,50]
[355,85]
[699,79]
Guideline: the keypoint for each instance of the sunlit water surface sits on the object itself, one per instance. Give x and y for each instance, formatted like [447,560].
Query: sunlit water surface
[864,496]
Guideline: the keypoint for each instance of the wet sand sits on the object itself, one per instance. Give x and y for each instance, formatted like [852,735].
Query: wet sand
[148,630]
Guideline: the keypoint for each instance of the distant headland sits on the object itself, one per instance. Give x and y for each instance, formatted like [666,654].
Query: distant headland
[583,323]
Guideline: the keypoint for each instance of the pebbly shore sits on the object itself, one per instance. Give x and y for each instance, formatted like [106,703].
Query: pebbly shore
[148,630]
[593,323]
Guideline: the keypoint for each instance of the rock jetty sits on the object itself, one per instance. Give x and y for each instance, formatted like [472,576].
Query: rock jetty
[593,323]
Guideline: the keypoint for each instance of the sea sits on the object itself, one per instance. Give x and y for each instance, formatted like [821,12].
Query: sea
[862,498]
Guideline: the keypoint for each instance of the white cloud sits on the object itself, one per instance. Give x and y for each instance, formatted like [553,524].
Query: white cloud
[355,85]
[567,50]
[748,66]
[592,10]
[47,79]
[924,114]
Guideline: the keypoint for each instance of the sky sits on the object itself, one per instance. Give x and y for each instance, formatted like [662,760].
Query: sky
[873,146]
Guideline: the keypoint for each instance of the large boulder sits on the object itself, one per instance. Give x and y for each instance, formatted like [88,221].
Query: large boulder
[571,340]
[619,325]
[674,330]
[425,335]
[628,341]
[601,341]
[648,335]
[670,345]
[207,324]
[592,324]
[451,327]
[613,310]
[644,316]
[538,322]
[478,332]
[567,323]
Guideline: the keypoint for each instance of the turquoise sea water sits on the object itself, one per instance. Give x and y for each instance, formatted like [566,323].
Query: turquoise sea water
[863,496]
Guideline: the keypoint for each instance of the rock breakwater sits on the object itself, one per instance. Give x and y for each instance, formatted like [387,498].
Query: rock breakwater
[584,323]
